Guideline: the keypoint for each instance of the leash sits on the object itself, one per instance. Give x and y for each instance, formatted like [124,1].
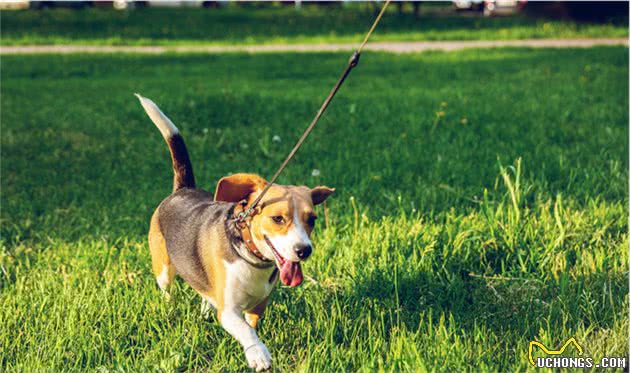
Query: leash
[352,63]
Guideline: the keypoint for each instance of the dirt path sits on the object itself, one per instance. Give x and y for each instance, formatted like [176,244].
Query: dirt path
[391,47]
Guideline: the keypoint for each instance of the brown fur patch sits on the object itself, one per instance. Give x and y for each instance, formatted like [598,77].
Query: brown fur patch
[157,245]
[215,249]
[237,187]
[284,201]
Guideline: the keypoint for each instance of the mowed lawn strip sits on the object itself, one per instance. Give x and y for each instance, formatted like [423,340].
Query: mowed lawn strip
[231,25]
[481,203]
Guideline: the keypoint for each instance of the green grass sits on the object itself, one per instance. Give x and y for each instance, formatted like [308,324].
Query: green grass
[482,203]
[274,26]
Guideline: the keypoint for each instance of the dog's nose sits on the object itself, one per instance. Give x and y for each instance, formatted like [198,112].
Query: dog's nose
[303,251]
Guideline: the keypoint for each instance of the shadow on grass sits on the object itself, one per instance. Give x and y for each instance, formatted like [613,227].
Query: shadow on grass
[507,306]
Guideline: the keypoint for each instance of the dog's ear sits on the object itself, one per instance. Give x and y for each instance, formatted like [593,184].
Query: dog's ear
[320,193]
[237,187]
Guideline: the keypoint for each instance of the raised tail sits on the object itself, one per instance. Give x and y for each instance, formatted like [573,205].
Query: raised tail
[182,168]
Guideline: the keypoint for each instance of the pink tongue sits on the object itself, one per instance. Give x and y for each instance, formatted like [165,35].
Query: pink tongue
[291,274]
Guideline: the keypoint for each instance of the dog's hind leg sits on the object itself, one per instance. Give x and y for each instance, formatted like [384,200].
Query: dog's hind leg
[162,268]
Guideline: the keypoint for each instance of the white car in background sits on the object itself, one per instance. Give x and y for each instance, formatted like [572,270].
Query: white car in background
[475,5]
[502,7]
[490,7]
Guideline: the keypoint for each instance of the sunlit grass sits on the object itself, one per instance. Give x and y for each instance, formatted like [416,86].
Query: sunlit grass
[450,243]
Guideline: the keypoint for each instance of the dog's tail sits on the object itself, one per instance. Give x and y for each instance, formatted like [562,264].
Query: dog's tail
[182,168]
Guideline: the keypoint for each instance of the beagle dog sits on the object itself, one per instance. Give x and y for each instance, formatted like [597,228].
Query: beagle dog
[233,266]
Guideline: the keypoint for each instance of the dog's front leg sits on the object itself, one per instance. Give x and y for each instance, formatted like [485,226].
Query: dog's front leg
[258,357]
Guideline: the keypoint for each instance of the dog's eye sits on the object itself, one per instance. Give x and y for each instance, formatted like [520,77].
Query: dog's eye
[311,220]
[278,219]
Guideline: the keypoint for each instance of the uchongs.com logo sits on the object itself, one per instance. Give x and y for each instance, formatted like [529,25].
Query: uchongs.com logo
[552,358]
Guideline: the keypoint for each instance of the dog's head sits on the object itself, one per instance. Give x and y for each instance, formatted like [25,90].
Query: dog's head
[285,218]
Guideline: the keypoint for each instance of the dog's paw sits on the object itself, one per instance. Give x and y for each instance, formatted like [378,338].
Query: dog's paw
[258,357]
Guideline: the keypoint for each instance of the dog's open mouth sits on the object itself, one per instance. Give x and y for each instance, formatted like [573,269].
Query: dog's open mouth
[290,272]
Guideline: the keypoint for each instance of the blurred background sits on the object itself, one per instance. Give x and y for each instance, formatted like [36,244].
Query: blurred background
[583,10]
[280,22]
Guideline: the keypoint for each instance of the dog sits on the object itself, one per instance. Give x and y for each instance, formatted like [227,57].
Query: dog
[233,265]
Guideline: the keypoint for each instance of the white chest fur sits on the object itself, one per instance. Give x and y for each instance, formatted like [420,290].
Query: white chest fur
[245,285]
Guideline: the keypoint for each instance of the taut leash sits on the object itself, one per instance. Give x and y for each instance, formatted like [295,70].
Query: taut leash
[353,62]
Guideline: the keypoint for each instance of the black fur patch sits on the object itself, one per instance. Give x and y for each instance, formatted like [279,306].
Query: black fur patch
[182,168]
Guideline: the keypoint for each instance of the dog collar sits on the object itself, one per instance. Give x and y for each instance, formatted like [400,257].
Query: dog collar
[243,226]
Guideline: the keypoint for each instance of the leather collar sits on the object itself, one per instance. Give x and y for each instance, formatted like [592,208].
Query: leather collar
[246,234]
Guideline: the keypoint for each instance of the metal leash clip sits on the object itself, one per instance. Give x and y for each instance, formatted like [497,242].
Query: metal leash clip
[242,215]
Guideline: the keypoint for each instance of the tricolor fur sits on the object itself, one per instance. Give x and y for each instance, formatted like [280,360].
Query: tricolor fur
[192,234]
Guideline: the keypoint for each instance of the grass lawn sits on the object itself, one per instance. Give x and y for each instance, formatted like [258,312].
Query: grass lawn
[481,204]
[154,26]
